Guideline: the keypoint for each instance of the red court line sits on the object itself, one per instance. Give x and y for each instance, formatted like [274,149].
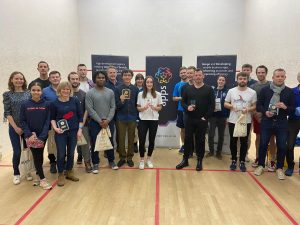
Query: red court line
[282,209]
[157,197]
[27,213]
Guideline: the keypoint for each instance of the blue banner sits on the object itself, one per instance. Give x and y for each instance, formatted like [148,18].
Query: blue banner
[102,62]
[218,64]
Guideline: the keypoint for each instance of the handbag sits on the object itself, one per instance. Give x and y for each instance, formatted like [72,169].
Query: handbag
[81,141]
[103,142]
[240,128]
[35,144]
[26,165]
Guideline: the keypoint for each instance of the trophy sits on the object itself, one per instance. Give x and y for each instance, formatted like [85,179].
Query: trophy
[126,93]
[273,109]
[63,124]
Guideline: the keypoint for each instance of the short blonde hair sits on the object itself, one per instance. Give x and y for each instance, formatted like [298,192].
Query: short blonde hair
[62,85]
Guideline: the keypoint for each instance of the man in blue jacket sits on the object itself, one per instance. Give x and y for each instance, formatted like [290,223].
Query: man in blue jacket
[275,103]
[293,130]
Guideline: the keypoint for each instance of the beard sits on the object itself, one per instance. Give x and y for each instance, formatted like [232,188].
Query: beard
[75,85]
[242,84]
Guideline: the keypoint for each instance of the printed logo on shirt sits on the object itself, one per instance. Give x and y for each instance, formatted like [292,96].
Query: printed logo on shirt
[68,115]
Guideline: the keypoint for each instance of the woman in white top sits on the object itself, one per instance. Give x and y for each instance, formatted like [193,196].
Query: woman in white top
[149,103]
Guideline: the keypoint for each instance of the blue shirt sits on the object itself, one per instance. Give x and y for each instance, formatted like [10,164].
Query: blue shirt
[296,92]
[70,111]
[49,94]
[35,117]
[177,93]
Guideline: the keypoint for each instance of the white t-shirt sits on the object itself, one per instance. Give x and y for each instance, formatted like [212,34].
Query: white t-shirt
[149,114]
[240,100]
[84,85]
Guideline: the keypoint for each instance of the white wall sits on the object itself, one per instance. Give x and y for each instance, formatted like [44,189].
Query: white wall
[272,36]
[140,28]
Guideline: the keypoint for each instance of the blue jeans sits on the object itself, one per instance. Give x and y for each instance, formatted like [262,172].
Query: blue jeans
[65,143]
[94,129]
[280,129]
[16,145]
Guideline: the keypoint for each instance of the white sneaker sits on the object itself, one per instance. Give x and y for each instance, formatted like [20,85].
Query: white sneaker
[29,177]
[95,169]
[150,164]
[259,170]
[16,179]
[280,174]
[45,185]
[142,165]
[272,166]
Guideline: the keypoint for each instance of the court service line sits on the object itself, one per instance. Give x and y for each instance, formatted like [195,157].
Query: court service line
[157,196]
[273,199]
[27,213]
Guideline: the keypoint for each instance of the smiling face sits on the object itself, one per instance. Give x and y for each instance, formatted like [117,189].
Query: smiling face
[17,80]
[74,80]
[36,92]
[54,79]
[261,74]
[149,84]
[221,82]
[279,77]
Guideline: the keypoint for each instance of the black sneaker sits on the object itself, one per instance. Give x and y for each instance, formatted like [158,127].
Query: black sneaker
[243,167]
[130,163]
[233,165]
[53,168]
[121,163]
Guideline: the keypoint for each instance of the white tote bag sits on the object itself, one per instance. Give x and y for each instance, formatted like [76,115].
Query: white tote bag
[103,142]
[240,128]
[26,162]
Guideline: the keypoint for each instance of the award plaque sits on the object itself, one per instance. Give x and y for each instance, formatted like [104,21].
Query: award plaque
[63,124]
[273,109]
[126,93]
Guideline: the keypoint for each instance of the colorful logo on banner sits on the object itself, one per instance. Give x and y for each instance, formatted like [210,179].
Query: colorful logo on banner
[163,75]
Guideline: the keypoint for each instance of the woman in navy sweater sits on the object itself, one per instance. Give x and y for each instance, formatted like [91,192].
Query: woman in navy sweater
[66,120]
[35,121]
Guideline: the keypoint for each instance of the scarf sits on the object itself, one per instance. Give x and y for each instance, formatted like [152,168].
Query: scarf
[276,95]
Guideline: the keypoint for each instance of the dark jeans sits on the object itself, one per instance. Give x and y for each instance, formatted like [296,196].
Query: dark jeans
[38,159]
[15,140]
[243,143]
[65,143]
[198,128]
[220,123]
[293,130]
[270,127]
[94,129]
[143,127]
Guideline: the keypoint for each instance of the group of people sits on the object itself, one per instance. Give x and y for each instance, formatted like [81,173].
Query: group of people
[62,114]
[271,106]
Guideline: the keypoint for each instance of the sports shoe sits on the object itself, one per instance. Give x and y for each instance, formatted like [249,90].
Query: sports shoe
[53,168]
[121,162]
[16,179]
[45,185]
[29,177]
[272,166]
[61,180]
[243,167]
[255,163]
[36,182]
[70,176]
[209,154]
[142,165]
[95,169]
[130,163]
[280,174]
[88,167]
[113,166]
[259,170]
[181,150]
[150,164]
[233,165]
[289,172]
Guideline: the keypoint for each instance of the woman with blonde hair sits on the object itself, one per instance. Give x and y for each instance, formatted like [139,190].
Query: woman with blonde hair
[66,120]
[12,101]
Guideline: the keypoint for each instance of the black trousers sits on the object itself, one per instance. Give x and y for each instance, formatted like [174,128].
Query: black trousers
[243,143]
[220,123]
[38,159]
[143,127]
[293,130]
[197,128]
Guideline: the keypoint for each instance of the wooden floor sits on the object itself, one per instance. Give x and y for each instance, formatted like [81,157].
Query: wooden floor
[158,196]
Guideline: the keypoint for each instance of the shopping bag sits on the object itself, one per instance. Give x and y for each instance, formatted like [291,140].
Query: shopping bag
[103,142]
[81,141]
[240,128]
[26,165]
